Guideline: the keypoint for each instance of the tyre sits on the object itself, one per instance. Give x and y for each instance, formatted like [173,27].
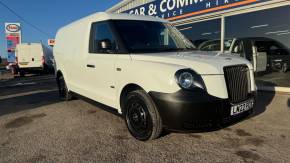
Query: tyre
[14,70]
[141,116]
[22,73]
[64,93]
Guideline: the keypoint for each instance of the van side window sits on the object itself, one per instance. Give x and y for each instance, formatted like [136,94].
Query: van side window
[102,39]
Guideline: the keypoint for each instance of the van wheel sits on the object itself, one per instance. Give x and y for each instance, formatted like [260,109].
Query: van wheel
[22,73]
[142,117]
[14,71]
[64,94]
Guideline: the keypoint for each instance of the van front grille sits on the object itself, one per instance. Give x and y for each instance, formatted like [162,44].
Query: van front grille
[238,82]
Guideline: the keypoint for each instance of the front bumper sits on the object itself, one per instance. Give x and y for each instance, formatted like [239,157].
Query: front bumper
[193,110]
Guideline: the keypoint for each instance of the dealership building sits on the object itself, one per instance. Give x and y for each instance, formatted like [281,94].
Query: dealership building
[258,30]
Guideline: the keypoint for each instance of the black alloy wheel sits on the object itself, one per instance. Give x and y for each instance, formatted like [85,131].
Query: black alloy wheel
[142,117]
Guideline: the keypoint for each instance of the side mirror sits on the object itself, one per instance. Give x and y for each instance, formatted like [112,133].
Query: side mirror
[105,44]
[0,59]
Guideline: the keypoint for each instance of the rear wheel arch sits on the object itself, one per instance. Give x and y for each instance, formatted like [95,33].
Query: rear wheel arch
[58,75]
[64,92]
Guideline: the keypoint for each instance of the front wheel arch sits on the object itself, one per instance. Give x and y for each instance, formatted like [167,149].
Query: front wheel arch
[153,127]
[125,91]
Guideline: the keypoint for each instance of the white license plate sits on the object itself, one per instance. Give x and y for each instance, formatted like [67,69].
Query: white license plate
[240,108]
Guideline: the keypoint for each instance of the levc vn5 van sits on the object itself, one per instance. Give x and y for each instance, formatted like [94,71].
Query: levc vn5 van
[151,74]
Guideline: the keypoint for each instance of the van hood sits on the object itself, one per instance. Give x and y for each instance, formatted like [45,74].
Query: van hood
[204,63]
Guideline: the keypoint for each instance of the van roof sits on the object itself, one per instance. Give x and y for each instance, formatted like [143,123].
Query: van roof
[101,16]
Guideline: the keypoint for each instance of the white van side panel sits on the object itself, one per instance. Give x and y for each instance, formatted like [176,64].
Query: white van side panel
[69,56]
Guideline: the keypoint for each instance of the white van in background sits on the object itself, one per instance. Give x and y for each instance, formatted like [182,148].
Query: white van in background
[33,57]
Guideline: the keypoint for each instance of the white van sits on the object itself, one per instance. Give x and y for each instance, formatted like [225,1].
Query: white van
[147,71]
[33,56]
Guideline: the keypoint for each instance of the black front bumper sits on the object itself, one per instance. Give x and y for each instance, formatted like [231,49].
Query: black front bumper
[193,110]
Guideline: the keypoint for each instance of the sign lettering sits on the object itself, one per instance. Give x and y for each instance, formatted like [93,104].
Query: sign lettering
[178,9]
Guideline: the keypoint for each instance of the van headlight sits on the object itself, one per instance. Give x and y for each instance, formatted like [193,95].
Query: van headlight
[189,80]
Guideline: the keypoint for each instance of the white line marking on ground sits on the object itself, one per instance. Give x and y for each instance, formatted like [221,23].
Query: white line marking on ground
[25,94]
[22,84]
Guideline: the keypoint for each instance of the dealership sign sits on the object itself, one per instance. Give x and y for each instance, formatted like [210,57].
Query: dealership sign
[178,9]
[12,28]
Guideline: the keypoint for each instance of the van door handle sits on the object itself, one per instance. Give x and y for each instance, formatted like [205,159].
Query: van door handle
[90,66]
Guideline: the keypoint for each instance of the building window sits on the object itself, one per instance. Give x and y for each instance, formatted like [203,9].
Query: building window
[265,39]
[204,35]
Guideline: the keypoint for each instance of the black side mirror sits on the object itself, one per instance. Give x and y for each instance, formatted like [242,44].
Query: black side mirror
[105,45]
[0,59]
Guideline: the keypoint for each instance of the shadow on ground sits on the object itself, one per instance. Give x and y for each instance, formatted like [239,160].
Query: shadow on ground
[97,104]
[27,84]
[264,98]
[28,102]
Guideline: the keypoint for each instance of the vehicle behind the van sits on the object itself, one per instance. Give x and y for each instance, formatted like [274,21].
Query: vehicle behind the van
[33,57]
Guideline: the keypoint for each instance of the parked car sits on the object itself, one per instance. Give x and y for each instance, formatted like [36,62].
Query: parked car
[33,56]
[265,54]
[147,71]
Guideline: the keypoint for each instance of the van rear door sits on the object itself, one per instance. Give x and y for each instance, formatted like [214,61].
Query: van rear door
[30,56]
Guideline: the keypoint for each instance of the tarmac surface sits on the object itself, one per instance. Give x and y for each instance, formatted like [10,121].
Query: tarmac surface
[35,126]
[274,79]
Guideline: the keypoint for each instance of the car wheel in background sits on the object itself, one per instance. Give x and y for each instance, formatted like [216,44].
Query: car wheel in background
[22,73]
[142,117]
[14,70]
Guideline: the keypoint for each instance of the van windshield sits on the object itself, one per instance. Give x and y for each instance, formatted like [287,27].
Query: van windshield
[150,37]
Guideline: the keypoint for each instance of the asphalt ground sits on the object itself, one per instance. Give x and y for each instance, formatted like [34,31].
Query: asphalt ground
[274,79]
[35,126]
